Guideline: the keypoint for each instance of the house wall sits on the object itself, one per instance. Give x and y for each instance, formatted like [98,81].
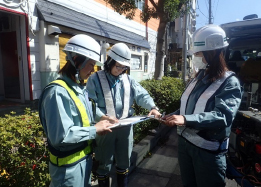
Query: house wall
[152,24]
[137,26]
[43,49]
[22,12]
[103,12]
[40,51]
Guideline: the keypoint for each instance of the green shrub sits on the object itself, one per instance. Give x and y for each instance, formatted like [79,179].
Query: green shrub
[23,153]
[166,94]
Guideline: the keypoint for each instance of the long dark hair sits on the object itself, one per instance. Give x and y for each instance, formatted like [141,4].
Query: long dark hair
[216,64]
[109,64]
[69,70]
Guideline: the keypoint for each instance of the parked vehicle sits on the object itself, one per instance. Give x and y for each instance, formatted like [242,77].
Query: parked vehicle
[243,56]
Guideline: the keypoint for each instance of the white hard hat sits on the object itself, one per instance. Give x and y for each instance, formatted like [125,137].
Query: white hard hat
[84,45]
[209,37]
[120,53]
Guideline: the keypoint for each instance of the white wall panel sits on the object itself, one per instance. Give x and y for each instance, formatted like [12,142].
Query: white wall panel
[34,47]
[35,66]
[36,85]
[36,94]
[36,76]
[34,56]
[51,58]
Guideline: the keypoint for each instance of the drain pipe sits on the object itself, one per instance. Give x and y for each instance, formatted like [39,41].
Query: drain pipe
[42,54]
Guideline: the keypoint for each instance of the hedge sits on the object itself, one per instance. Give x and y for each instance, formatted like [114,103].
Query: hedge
[166,94]
[23,151]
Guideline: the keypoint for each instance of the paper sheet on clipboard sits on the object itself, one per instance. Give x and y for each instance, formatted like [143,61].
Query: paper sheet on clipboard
[129,121]
[133,120]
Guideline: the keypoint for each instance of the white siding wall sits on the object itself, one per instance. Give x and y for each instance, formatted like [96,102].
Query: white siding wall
[101,12]
[34,49]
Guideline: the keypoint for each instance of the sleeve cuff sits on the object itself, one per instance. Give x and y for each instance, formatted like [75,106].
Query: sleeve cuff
[98,116]
[92,132]
[189,120]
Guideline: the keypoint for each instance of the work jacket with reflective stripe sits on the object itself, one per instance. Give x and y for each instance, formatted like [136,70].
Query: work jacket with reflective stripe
[106,88]
[137,94]
[214,123]
[62,121]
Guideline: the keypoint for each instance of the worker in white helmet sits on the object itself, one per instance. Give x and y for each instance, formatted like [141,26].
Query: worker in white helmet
[66,114]
[208,106]
[114,92]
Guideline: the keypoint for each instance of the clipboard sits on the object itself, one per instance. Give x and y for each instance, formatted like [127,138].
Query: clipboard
[153,117]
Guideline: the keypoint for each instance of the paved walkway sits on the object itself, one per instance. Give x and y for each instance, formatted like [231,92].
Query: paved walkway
[161,169]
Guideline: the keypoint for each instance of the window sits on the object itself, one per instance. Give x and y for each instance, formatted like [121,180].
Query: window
[135,62]
[139,4]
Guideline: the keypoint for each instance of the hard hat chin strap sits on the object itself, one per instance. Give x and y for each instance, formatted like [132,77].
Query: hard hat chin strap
[69,57]
[109,61]
[77,75]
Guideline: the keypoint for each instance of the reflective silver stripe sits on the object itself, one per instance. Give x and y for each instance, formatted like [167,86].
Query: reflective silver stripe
[192,137]
[107,93]
[108,96]
[202,101]
[191,134]
[185,95]
[126,106]
[184,99]
[195,139]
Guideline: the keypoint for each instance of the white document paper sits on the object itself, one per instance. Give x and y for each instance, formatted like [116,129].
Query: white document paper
[129,121]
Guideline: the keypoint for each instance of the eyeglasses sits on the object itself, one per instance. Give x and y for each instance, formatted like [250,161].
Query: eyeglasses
[121,67]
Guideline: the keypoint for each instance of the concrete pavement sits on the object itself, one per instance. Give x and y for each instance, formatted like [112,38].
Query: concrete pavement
[161,169]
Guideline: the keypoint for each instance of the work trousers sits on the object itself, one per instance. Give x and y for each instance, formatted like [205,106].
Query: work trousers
[78,175]
[200,168]
[118,144]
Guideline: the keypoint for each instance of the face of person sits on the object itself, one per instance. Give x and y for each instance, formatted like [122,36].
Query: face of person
[200,54]
[88,69]
[118,69]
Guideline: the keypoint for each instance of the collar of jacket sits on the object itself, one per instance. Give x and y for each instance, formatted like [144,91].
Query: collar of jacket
[202,77]
[76,87]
